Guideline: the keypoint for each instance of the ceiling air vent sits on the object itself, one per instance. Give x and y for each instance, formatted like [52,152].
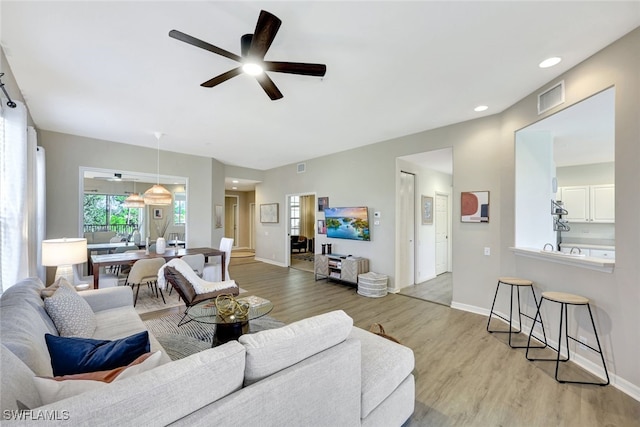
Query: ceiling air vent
[302,167]
[551,98]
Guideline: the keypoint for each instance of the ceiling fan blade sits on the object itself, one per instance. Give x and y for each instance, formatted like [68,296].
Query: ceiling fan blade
[222,77]
[266,30]
[178,35]
[318,70]
[269,86]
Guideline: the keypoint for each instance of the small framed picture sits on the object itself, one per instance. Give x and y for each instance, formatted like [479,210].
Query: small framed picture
[427,210]
[322,228]
[323,202]
[157,213]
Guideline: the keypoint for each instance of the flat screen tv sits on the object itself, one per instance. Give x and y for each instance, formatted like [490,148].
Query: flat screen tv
[347,223]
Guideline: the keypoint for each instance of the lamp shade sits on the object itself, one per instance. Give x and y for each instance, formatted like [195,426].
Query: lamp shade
[56,252]
[135,200]
[157,195]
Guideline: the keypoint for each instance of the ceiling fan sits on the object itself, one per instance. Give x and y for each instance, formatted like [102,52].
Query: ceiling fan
[254,47]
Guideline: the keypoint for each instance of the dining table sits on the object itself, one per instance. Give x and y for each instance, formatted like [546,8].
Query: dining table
[110,247]
[124,258]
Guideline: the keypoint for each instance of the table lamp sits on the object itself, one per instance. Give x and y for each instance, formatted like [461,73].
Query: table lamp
[64,253]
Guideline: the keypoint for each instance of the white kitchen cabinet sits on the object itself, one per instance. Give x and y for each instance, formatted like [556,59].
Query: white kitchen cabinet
[589,203]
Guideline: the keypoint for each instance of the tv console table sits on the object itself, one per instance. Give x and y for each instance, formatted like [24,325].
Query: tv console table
[338,267]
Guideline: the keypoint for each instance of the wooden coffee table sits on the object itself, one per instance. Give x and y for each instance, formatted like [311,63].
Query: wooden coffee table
[227,329]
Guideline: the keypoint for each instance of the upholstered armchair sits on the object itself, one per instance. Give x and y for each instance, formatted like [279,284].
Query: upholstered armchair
[299,243]
[191,288]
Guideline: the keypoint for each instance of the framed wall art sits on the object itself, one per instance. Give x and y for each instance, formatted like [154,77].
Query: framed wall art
[322,227]
[474,206]
[426,207]
[323,202]
[157,213]
[269,213]
[217,214]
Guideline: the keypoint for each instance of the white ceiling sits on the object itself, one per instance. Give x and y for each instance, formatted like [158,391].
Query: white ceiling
[109,70]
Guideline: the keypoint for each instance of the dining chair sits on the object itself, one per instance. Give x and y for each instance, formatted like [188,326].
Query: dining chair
[213,269]
[146,271]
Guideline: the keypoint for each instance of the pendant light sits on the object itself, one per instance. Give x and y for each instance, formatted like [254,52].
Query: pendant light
[157,195]
[134,200]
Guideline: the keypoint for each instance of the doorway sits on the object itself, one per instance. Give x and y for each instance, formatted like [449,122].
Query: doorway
[423,266]
[231,218]
[301,231]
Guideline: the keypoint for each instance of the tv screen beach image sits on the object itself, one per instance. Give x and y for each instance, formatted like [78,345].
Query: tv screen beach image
[347,223]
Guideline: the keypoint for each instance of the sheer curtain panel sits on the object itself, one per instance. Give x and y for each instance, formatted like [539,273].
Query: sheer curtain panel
[18,211]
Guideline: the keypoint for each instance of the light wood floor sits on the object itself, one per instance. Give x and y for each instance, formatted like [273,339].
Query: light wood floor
[438,290]
[464,375]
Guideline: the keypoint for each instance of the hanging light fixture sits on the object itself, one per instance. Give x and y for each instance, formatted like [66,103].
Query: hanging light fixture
[157,195]
[134,200]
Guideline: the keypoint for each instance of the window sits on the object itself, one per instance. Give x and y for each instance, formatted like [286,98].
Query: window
[106,212]
[180,209]
[294,215]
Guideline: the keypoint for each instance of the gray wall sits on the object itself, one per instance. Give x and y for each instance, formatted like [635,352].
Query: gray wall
[67,153]
[484,157]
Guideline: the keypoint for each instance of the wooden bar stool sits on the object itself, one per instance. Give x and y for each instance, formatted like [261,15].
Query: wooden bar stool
[517,283]
[565,299]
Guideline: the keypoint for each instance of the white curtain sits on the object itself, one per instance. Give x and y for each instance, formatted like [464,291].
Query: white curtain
[19,213]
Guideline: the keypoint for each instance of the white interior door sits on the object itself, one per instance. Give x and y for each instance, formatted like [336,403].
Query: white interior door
[235,225]
[442,233]
[252,227]
[406,275]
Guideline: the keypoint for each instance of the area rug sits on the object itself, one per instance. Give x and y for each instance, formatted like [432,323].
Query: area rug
[193,337]
[304,257]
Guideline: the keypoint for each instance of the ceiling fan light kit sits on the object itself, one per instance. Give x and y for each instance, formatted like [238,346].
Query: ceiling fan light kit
[253,48]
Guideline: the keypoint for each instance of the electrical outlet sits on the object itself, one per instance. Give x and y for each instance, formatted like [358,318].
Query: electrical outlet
[487,251]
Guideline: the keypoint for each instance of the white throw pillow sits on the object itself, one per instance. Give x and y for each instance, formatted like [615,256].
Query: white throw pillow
[52,390]
[71,314]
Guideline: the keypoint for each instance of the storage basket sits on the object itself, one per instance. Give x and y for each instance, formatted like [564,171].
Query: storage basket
[372,284]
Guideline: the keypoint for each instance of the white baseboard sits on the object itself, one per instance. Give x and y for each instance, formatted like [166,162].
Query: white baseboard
[594,368]
[270,261]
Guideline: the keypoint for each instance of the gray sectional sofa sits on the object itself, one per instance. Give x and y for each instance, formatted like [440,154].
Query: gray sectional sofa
[320,371]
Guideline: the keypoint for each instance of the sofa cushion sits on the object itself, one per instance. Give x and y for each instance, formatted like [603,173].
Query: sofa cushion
[58,388]
[164,394]
[71,314]
[272,350]
[18,389]
[23,324]
[74,355]
[385,365]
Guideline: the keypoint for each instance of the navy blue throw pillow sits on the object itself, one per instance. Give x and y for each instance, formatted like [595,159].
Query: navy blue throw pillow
[73,355]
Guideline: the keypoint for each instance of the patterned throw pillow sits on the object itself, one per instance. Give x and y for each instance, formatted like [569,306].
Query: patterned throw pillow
[71,314]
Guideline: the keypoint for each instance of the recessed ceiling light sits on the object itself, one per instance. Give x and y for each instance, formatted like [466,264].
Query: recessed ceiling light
[234,188]
[550,62]
[480,108]
[252,69]
[235,181]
